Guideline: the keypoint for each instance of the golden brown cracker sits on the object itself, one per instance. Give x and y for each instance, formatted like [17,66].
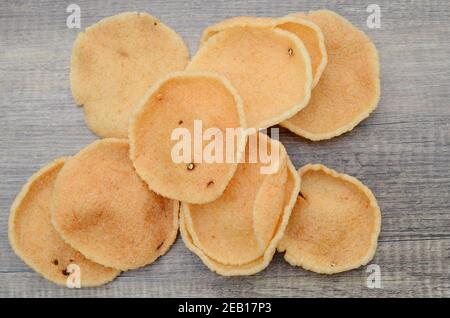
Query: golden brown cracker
[102,208]
[179,102]
[270,68]
[36,242]
[335,223]
[307,31]
[349,88]
[291,190]
[115,61]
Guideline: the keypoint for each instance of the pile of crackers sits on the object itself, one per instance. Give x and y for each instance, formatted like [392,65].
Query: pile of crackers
[118,204]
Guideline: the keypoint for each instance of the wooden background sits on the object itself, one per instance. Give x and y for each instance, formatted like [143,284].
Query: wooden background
[402,152]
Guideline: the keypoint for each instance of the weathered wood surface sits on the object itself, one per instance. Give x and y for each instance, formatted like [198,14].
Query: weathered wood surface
[402,152]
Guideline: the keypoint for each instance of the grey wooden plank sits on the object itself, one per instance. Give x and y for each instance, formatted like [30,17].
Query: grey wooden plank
[408,269]
[401,152]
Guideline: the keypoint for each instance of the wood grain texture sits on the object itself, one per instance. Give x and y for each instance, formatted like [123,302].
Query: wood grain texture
[402,152]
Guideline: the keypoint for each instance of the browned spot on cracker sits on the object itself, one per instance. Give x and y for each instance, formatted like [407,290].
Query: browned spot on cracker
[122,53]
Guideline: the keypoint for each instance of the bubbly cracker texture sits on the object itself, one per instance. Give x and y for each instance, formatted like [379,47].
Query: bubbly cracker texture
[291,190]
[115,61]
[270,68]
[103,209]
[176,102]
[308,32]
[36,242]
[335,227]
[349,88]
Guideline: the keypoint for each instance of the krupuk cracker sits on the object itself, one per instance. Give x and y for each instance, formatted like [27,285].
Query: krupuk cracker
[102,208]
[270,68]
[115,61]
[349,88]
[37,243]
[179,136]
[335,223]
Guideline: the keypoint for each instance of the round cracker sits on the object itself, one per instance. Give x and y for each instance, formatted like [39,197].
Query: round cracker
[349,88]
[102,208]
[291,190]
[36,242]
[176,102]
[115,61]
[307,31]
[335,223]
[270,68]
